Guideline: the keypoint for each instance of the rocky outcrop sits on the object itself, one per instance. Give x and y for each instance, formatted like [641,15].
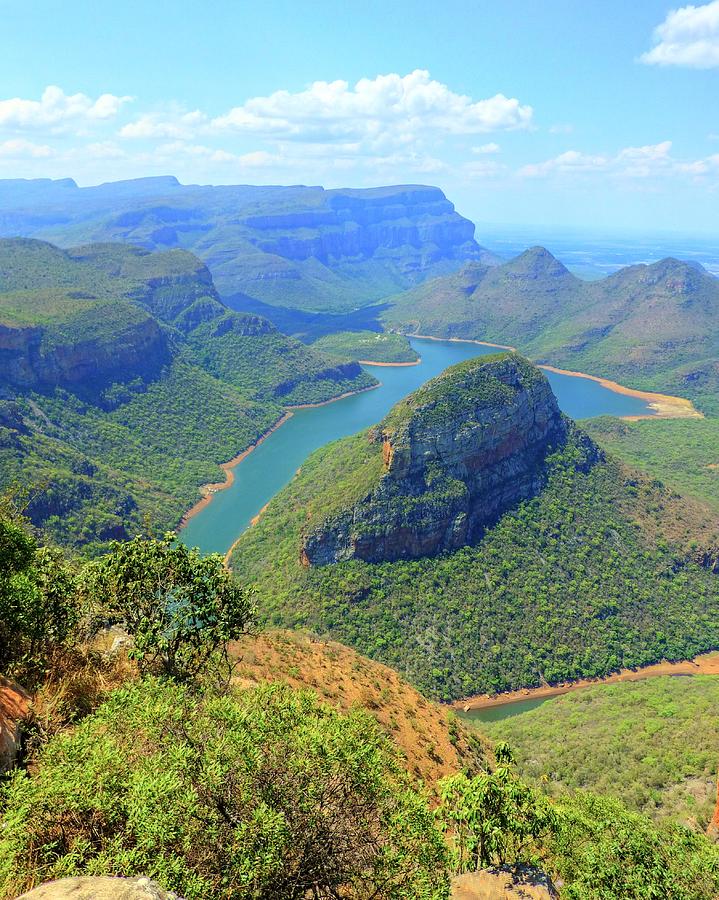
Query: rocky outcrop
[455,455]
[414,222]
[83,352]
[100,888]
[521,883]
[14,709]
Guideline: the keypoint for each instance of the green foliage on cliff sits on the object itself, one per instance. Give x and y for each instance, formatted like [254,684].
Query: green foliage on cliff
[578,581]
[135,383]
[383,347]
[180,607]
[650,743]
[652,327]
[38,607]
[262,793]
[602,851]
[683,453]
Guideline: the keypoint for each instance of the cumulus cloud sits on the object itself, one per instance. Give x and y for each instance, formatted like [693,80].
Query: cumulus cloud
[487,148]
[689,36]
[570,161]
[405,105]
[22,149]
[651,161]
[633,162]
[56,109]
[153,125]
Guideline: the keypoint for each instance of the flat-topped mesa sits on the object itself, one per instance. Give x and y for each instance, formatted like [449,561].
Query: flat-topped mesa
[456,454]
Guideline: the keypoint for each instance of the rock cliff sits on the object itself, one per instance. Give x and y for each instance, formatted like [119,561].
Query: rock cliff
[299,246]
[455,455]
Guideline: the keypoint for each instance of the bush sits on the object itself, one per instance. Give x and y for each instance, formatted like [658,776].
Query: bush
[260,794]
[179,607]
[37,599]
[493,818]
[602,851]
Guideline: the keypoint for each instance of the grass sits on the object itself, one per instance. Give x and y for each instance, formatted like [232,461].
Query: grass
[384,347]
[652,744]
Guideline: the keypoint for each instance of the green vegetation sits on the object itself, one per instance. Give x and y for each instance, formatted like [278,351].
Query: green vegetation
[651,327]
[601,851]
[37,588]
[579,581]
[494,818]
[133,384]
[650,743]
[682,453]
[180,607]
[258,793]
[383,347]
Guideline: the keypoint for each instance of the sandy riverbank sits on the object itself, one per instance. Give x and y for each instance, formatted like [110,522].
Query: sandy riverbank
[209,490]
[706,664]
[665,406]
[371,362]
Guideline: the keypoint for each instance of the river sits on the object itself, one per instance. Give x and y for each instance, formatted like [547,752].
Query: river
[273,463]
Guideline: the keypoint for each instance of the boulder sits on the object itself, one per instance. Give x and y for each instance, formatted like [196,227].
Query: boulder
[14,709]
[503,884]
[100,888]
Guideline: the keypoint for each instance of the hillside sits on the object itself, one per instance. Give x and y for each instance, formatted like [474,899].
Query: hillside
[297,246]
[650,743]
[683,454]
[432,740]
[653,327]
[372,346]
[537,558]
[125,381]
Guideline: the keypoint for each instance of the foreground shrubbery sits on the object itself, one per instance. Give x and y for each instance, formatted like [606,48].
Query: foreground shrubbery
[263,793]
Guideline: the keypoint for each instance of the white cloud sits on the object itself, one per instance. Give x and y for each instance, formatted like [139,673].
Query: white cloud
[21,149]
[561,129]
[689,36]
[487,148]
[405,106]
[651,161]
[483,168]
[56,109]
[150,125]
[571,161]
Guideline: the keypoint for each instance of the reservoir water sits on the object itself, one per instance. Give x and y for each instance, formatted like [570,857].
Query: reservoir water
[271,466]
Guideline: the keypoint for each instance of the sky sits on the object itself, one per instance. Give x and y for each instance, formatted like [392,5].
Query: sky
[580,113]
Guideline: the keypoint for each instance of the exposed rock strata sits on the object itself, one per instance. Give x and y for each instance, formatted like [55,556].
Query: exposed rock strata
[14,709]
[456,455]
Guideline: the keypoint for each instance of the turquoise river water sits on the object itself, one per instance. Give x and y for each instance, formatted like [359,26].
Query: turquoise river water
[273,463]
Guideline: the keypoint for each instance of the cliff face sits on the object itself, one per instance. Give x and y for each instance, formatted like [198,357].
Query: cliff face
[67,356]
[456,455]
[298,246]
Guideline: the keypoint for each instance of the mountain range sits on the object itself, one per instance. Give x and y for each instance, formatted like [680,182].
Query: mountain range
[299,247]
[125,381]
[653,326]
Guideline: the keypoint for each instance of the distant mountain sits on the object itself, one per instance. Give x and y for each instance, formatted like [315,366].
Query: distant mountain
[298,247]
[477,540]
[651,326]
[124,381]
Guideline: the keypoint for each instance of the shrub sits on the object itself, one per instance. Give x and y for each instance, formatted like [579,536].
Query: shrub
[179,606]
[263,793]
[38,606]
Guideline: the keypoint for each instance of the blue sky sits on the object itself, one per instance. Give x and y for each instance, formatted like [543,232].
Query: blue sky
[599,114]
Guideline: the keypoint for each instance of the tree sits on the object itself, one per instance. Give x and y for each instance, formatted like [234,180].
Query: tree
[257,794]
[38,607]
[492,818]
[179,606]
